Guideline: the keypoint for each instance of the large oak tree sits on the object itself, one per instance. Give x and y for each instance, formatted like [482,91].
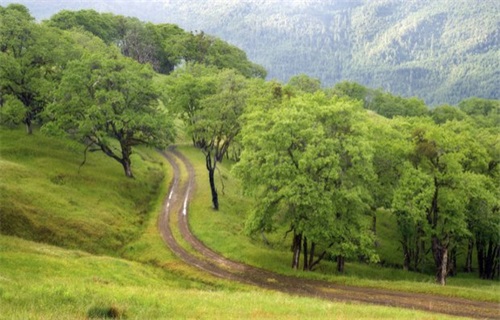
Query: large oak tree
[108,101]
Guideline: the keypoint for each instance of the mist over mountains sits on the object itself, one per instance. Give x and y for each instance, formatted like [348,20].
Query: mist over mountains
[440,50]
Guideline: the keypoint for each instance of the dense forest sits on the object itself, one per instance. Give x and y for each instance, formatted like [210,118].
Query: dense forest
[319,161]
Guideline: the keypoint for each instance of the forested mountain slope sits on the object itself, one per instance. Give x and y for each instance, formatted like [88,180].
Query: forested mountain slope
[440,50]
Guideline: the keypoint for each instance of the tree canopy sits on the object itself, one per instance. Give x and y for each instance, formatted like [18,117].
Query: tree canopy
[103,97]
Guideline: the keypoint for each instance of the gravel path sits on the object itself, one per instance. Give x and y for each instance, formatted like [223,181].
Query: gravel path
[177,202]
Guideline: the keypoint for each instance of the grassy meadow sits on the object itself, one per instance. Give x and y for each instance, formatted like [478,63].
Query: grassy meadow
[84,244]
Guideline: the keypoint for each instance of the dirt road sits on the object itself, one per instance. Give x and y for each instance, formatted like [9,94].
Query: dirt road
[177,202]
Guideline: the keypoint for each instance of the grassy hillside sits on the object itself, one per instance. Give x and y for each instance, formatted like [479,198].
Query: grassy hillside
[105,257]
[45,282]
[45,197]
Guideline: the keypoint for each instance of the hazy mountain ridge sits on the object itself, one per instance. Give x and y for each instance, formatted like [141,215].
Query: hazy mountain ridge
[440,50]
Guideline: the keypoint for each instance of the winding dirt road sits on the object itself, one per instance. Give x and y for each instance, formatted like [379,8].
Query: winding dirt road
[177,202]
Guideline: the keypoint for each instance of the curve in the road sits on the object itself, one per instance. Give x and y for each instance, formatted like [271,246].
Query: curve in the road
[177,202]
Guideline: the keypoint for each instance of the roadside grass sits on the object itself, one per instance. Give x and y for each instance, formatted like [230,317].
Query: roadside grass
[223,231]
[39,281]
[45,197]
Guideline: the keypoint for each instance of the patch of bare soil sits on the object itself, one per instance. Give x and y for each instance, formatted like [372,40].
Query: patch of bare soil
[177,202]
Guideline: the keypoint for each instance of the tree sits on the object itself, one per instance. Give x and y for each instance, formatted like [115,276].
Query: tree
[306,161]
[210,101]
[444,113]
[486,112]
[389,154]
[183,91]
[390,106]
[31,57]
[410,205]
[102,25]
[483,194]
[211,51]
[107,98]
[304,83]
[216,124]
[353,90]
[437,187]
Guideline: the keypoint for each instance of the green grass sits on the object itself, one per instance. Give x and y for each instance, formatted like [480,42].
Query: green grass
[40,281]
[44,197]
[223,231]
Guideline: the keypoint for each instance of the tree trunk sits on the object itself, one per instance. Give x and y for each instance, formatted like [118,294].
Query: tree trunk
[127,168]
[211,165]
[213,189]
[439,246]
[440,253]
[480,257]
[374,222]
[468,258]
[29,129]
[407,256]
[452,262]
[125,161]
[491,260]
[420,260]
[312,262]
[297,241]
[306,258]
[340,263]
[311,255]
[419,247]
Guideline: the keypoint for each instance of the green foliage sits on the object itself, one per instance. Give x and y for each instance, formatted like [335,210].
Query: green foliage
[12,111]
[102,97]
[308,161]
[433,193]
[211,51]
[304,83]
[384,103]
[164,46]
[184,90]
[444,113]
[26,64]
[216,123]
[350,89]
[102,25]
[484,111]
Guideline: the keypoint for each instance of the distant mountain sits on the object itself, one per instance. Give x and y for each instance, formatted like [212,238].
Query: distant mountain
[440,50]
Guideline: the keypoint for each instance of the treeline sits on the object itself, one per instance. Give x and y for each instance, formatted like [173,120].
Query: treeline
[319,161]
